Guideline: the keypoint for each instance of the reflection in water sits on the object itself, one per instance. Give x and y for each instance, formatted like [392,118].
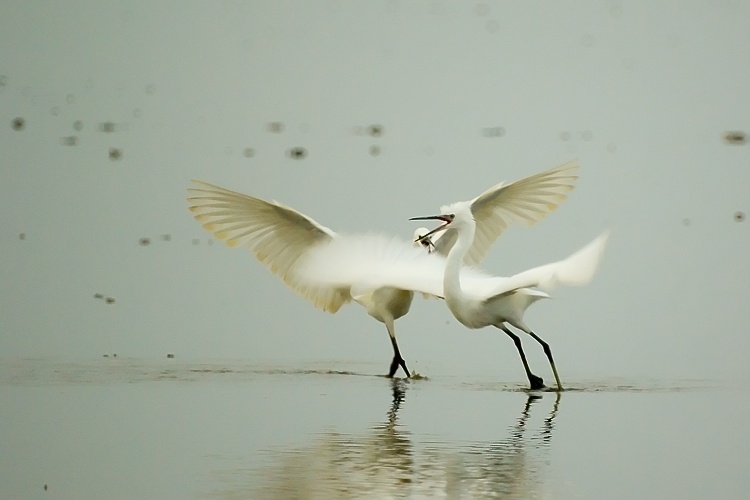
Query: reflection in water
[387,462]
[506,468]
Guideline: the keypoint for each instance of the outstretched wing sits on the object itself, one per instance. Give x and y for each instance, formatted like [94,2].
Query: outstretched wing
[526,201]
[277,235]
[576,270]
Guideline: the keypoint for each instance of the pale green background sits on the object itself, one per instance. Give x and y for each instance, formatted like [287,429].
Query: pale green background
[644,90]
[641,92]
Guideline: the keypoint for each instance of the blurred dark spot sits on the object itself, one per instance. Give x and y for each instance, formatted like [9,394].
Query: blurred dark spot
[196,241]
[493,131]
[137,113]
[18,123]
[45,486]
[739,216]
[481,9]
[109,300]
[275,127]
[297,153]
[686,222]
[106,355]
[114,355]
[375,130]
[22,236]
[98,296]
[71,140]
[3,80]
[492,26]
[170,355]
[374,150]
[735,137]
[70,98]
[78,125]
[144,242]
[151,89]
[565,136]
[115,154]
[107,127]
[166,237]
[249,152]
[55,110]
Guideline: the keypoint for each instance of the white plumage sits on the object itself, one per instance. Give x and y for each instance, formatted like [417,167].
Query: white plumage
[524,202]
[379,272]
[477,303]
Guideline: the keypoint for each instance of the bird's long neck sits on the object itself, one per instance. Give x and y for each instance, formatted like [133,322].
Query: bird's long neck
[451,278]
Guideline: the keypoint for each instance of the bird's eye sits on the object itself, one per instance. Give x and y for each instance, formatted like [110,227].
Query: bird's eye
[451,216]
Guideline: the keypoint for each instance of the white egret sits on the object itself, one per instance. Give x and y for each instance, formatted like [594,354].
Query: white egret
[526,201]
[279,236]
[503,305]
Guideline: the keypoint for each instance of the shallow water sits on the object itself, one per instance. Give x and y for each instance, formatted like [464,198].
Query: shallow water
[131,428]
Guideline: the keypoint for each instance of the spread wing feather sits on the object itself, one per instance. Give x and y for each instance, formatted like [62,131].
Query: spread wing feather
[576,270]
[322,266]
[277,235]
[526,202]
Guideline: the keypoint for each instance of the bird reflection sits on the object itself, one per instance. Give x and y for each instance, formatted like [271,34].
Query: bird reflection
[386,456]
[388,462]
[509,468]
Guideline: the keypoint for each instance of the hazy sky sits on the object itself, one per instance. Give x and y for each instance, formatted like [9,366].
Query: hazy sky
[122,103]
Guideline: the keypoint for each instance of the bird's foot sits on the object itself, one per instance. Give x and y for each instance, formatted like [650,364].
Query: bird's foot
[398,361]
[535,382]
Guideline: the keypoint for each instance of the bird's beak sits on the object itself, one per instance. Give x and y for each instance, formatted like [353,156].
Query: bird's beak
[446,222]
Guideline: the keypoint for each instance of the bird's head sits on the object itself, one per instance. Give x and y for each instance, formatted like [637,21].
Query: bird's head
[457,214]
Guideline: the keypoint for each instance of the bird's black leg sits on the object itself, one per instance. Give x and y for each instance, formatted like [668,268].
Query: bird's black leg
[534,381]
[548,352]
[397,360]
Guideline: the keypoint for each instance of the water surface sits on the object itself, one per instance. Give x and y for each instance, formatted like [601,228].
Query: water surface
[133,428]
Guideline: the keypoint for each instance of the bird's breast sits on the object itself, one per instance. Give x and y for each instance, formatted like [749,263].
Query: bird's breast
[386,301]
